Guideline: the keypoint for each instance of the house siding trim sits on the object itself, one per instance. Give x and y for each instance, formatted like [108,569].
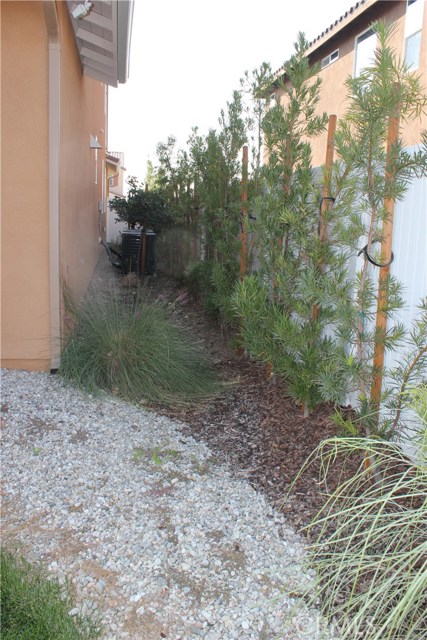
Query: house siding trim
[54,102]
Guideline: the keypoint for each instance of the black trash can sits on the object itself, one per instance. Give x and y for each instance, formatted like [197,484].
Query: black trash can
[131,252]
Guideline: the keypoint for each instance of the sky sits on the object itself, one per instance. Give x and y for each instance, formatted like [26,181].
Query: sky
[187,58]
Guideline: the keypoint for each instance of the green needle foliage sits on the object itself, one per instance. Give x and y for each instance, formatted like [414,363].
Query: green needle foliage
[366,177]
[217,161]
[276,306]
[310,309]
[254,86]
[407,373]
[35,607]
[133,350]
[176,177]
[371,553]
[329,354]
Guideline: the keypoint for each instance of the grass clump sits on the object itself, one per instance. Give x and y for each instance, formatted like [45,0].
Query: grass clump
[370,549]
[34,607]
[132,349]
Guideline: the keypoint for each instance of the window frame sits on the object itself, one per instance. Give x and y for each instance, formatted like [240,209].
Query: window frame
[414,17]
[367,33]
[413,67]
[327,60]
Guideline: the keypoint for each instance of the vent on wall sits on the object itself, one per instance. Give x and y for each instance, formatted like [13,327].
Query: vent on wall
[330,58]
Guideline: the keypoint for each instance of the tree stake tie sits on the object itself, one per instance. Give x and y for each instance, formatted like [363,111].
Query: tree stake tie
[363,318]
[249,217]
[328,198]
[321,227]
[372,261]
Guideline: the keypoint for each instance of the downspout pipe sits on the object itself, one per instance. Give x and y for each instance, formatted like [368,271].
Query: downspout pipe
[54,62]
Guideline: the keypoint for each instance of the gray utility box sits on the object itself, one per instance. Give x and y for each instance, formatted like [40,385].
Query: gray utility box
[131,252]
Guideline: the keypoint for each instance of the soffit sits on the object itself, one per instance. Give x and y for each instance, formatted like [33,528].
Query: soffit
[103,39]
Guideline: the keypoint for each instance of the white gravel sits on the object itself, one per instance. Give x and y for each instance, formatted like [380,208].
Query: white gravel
[157,538]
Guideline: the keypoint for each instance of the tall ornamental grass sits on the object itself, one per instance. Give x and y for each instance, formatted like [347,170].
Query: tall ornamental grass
[370,552]
[133,350]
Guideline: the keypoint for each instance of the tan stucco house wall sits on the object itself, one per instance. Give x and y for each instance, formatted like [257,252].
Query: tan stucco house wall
[53,106]
[342,36]
[24,187]
[83,113]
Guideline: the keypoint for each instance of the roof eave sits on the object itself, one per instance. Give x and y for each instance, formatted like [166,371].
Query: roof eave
[341,23]
[332,31]
[103,39]
[124,36]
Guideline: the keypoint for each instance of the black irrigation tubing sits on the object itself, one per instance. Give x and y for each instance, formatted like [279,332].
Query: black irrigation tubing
[372,261]
[249,215]
[365,248]
[331,199]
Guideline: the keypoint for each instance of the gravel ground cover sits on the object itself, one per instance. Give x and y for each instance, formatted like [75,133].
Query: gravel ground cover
[158,538]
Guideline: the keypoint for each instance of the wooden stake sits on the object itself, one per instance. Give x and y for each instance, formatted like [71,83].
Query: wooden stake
[244,225]
[386,249]
[283,241]
[326,194]
[287,181]
[143,242]
[143,248]
[244,221]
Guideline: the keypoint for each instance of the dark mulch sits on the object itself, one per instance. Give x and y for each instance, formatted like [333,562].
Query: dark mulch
[253,425]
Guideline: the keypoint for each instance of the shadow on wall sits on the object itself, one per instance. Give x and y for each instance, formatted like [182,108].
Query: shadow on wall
[177,248]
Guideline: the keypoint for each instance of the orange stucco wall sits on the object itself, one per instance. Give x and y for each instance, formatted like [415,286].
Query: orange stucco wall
[24,187]
[25,292]
[82,114]
[333,98]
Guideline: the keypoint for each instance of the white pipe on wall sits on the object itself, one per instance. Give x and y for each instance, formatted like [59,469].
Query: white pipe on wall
[54,55]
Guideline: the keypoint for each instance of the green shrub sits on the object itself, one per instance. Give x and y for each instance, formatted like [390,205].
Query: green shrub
[198,280]
[132,349]
[213,283]
[34,607]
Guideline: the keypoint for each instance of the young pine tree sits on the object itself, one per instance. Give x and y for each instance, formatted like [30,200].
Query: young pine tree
[368,176]
[276,304]
[217,162]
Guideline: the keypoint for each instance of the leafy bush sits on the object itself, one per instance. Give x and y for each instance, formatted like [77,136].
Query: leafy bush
[132,349]
[141,208]
[34,607]
[371,552]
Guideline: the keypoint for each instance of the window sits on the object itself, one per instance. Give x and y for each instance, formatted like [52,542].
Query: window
[330,58]
[412,50]
[413,26]
[364,51]
[114,180]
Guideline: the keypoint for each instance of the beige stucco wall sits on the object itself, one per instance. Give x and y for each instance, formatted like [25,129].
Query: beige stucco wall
[25,330]
[83,112]
[413,129]
[24,187]
[333,91]
[333,98]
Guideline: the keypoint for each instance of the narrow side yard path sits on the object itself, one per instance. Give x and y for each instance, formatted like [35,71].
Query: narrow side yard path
[157,536]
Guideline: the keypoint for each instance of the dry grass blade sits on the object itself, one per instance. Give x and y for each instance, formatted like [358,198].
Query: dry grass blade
[370,554]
